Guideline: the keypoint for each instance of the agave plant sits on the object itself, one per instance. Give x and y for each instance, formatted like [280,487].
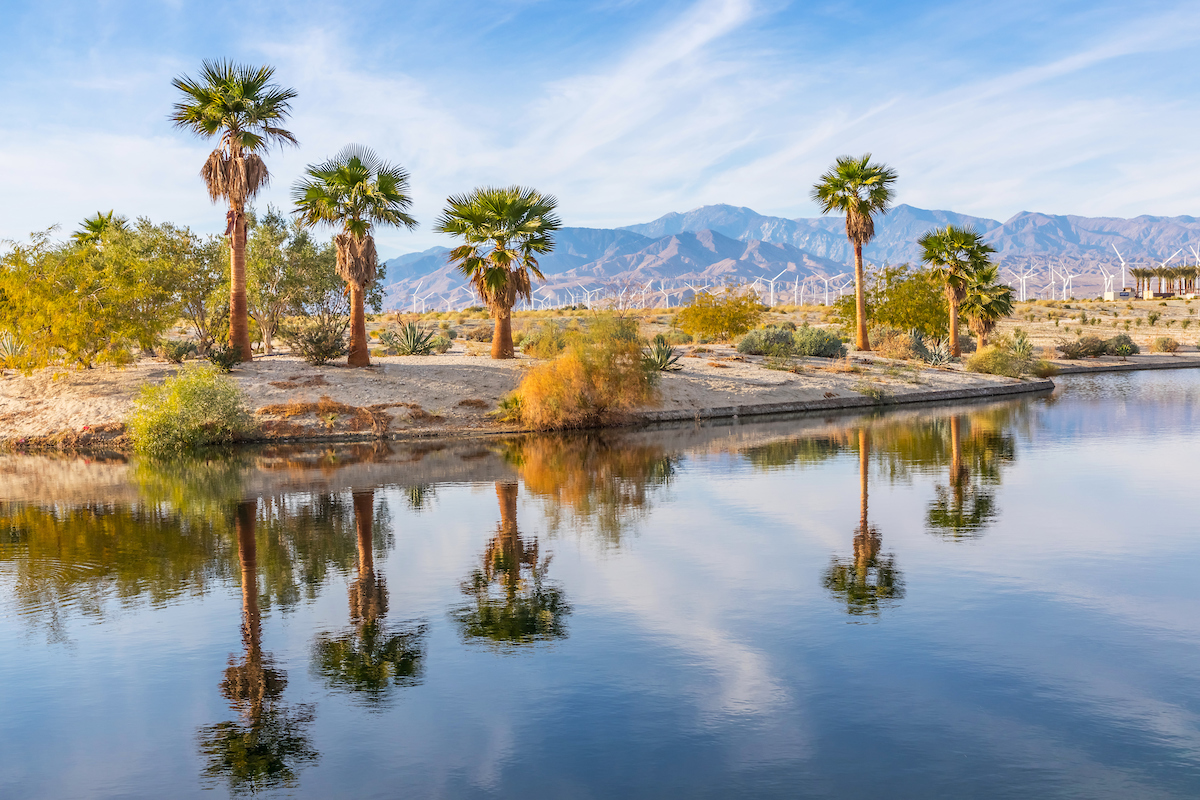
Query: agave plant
[662,356]
[12,350]
[409,340]
[935,353]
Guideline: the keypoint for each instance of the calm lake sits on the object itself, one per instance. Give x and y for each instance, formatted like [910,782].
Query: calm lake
[989,601]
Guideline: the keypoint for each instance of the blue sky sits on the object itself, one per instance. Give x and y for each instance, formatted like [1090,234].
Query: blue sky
[625,110]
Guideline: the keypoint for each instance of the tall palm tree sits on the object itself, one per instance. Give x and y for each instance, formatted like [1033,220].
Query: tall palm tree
[94,228]
[357,190]
[954,255]
[859,189]
[986,301]
[503,230]
[240,105]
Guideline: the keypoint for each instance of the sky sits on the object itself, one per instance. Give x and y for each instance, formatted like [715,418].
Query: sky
[624,110]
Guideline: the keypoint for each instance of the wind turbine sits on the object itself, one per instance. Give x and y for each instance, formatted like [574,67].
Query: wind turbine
[772,282]
[1122,259]
[1067,277]
[414,294]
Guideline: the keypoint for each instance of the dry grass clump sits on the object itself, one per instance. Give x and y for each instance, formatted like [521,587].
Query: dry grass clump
[1164,344]
[601,372]
[896,344]
[473,402]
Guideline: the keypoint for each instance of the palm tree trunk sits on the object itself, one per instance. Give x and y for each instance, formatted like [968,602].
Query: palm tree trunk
[244,524]
[502,344]
[359,355]
[952,296]
[860,301]
[239,322]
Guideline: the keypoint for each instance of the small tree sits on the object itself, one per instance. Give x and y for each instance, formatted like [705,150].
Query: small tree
[986,301]
[721,316]
[954,254]
[270,281]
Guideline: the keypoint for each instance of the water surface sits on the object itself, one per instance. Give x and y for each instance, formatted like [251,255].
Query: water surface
[990,601]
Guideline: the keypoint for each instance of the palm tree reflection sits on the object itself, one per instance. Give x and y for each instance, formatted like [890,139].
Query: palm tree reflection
[370,658]
[266,746]
[868,581]
[512,601]
[965,508]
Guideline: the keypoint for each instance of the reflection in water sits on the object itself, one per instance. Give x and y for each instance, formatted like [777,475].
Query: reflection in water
[965,508]
[269,742]
[369,658]
[512,601]
[869,581]
[592,479]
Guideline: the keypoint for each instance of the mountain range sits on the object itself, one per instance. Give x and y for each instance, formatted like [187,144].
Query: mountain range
[719,243]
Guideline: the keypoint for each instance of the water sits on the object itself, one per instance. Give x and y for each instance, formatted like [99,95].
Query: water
[987,601]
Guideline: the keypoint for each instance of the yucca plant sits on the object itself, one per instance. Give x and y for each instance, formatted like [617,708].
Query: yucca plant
[662,356]
[409,340]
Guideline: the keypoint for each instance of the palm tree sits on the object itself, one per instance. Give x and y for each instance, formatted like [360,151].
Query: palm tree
[859,189]
[94,228]
[986,301]
[357,190]
[954,255]
[503,230]
[241,106]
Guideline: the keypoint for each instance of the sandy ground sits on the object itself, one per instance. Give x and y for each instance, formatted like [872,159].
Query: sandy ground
[422,395]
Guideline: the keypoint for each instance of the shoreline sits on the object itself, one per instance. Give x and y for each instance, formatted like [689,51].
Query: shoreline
[416,399]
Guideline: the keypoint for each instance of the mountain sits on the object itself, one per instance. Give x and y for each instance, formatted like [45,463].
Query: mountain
[719,243]
[586,260]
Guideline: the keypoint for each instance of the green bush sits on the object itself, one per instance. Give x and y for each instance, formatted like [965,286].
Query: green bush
[1121,345]
[678,337]
[900,297]
[197,407]
[818,342]
[318,340]
[721,316]
[1164,344]
[441,344]
[176,351]
[768,342]
[995,360]
[224,356]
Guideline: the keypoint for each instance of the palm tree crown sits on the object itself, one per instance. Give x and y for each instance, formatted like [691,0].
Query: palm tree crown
[357,190]
[859,189]
[504,230]
[94,228]
[986,301]
[241,105]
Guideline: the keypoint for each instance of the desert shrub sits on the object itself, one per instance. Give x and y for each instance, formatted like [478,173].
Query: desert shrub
[891,343]
[544,341]
[1153,317]
[318,340]
[195,408]
[224,356]
[441,344]
[818,342]
[768,342]
[1043,369]
[678,337]
[1164,344]
[408,340]
[176,351]
[721,316]
[1121,345]
[483,333]
[1083,347]
[995,360]
[661,356]
[601,371]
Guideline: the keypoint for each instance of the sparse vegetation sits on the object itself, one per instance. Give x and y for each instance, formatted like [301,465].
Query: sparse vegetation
[198,407]
[1164,344]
